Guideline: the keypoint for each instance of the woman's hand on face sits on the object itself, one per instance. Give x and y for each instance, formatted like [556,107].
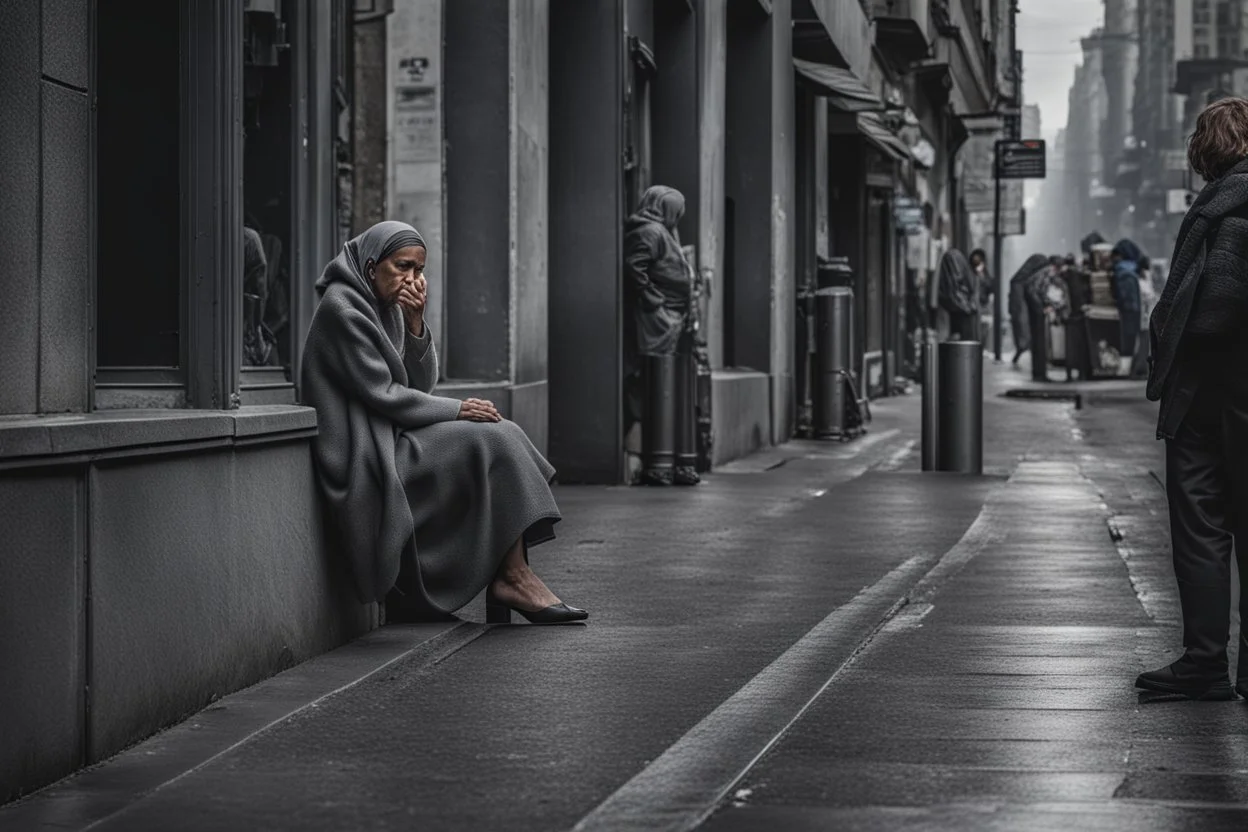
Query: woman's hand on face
[411,300]
[479,410]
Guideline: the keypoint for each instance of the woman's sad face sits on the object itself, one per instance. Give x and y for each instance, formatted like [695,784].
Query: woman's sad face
[403,268]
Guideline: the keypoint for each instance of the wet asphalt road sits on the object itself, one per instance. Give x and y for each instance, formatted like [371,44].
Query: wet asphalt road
[998,697]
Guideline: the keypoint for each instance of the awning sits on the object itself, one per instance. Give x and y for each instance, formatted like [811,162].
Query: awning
[840,87]
[883,138]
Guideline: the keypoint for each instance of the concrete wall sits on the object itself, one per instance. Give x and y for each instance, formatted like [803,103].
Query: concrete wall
[148,586]
[529,193]
[45,327]
[760,183]
[42,629]
[783,246]
[712,102]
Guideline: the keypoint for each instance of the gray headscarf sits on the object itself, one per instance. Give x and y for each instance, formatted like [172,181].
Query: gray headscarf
[352,264]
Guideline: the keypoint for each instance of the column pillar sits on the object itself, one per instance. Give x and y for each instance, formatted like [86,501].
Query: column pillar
[586,230]
[712,100]
[759,178]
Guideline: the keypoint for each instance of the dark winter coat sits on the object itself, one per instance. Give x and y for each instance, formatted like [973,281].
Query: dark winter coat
[958,286]
[653,258]
[659,278]
[1020,322]
[1204,306]
[1126,283]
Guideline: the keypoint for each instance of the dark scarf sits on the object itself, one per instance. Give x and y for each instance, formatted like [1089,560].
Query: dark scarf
[1170,317]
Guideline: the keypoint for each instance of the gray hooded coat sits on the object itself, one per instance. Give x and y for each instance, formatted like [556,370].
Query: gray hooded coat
[406,483]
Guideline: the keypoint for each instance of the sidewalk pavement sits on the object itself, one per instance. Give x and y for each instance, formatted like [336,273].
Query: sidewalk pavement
[818,637]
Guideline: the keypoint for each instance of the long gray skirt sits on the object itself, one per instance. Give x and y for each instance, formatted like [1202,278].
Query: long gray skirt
[474,488]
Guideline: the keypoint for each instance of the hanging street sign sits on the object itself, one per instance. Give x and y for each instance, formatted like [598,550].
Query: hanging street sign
[1021,160]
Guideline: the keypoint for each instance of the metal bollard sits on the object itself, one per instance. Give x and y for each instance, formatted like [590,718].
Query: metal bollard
[686,433]
[960,391]
[833,317]
[658,430]
[931,405]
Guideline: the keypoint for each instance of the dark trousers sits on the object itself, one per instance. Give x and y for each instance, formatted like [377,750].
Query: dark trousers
[1039,344]
[963,326]
[1130,321]
[1207,487]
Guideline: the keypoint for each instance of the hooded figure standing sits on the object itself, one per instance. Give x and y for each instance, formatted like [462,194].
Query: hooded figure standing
[958,295]
[660,369]
[432,499]
[1020,317]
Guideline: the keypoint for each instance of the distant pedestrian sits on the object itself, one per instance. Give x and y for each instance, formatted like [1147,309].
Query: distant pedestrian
[1020,320]
[957,293]
[987,286]
[1126,257]
[1200,345]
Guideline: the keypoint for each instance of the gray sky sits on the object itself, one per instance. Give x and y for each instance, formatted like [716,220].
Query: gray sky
[1048,34]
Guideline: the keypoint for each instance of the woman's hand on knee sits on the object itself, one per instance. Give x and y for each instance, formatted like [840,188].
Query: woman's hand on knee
[479,410]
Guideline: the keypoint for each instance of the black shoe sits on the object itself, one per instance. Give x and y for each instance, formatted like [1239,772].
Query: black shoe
[1179,680]
[686,475]
[1241,688]
[496,612]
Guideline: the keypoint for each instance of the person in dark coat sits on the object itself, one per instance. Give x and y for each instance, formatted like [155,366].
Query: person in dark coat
[659,287]
[431,498]
[1126,257]
[987,286]
[958,295]
[1199,333]
[1020,320]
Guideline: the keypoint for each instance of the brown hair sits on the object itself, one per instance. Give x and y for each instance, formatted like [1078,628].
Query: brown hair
[1221,138]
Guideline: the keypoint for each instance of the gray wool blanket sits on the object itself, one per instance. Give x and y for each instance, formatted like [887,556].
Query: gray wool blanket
[407,484]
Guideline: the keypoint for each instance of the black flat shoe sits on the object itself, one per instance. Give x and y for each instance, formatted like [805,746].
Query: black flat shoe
[1188,686]
[496,612]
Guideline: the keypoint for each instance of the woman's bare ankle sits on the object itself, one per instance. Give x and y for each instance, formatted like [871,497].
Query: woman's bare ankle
[521,587]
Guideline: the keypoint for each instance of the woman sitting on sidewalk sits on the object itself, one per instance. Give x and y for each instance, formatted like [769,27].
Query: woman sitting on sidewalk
[442,496]
[1199,331]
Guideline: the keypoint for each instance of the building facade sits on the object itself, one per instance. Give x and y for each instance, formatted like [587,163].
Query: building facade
[176,173]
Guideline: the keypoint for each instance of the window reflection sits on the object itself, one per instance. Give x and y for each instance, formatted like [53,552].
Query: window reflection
[267,166]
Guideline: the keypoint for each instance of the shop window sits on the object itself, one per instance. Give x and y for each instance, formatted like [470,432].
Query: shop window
[138,176]
[269,159]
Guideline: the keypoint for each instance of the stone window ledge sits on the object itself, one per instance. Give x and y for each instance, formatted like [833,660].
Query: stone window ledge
[54,438]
